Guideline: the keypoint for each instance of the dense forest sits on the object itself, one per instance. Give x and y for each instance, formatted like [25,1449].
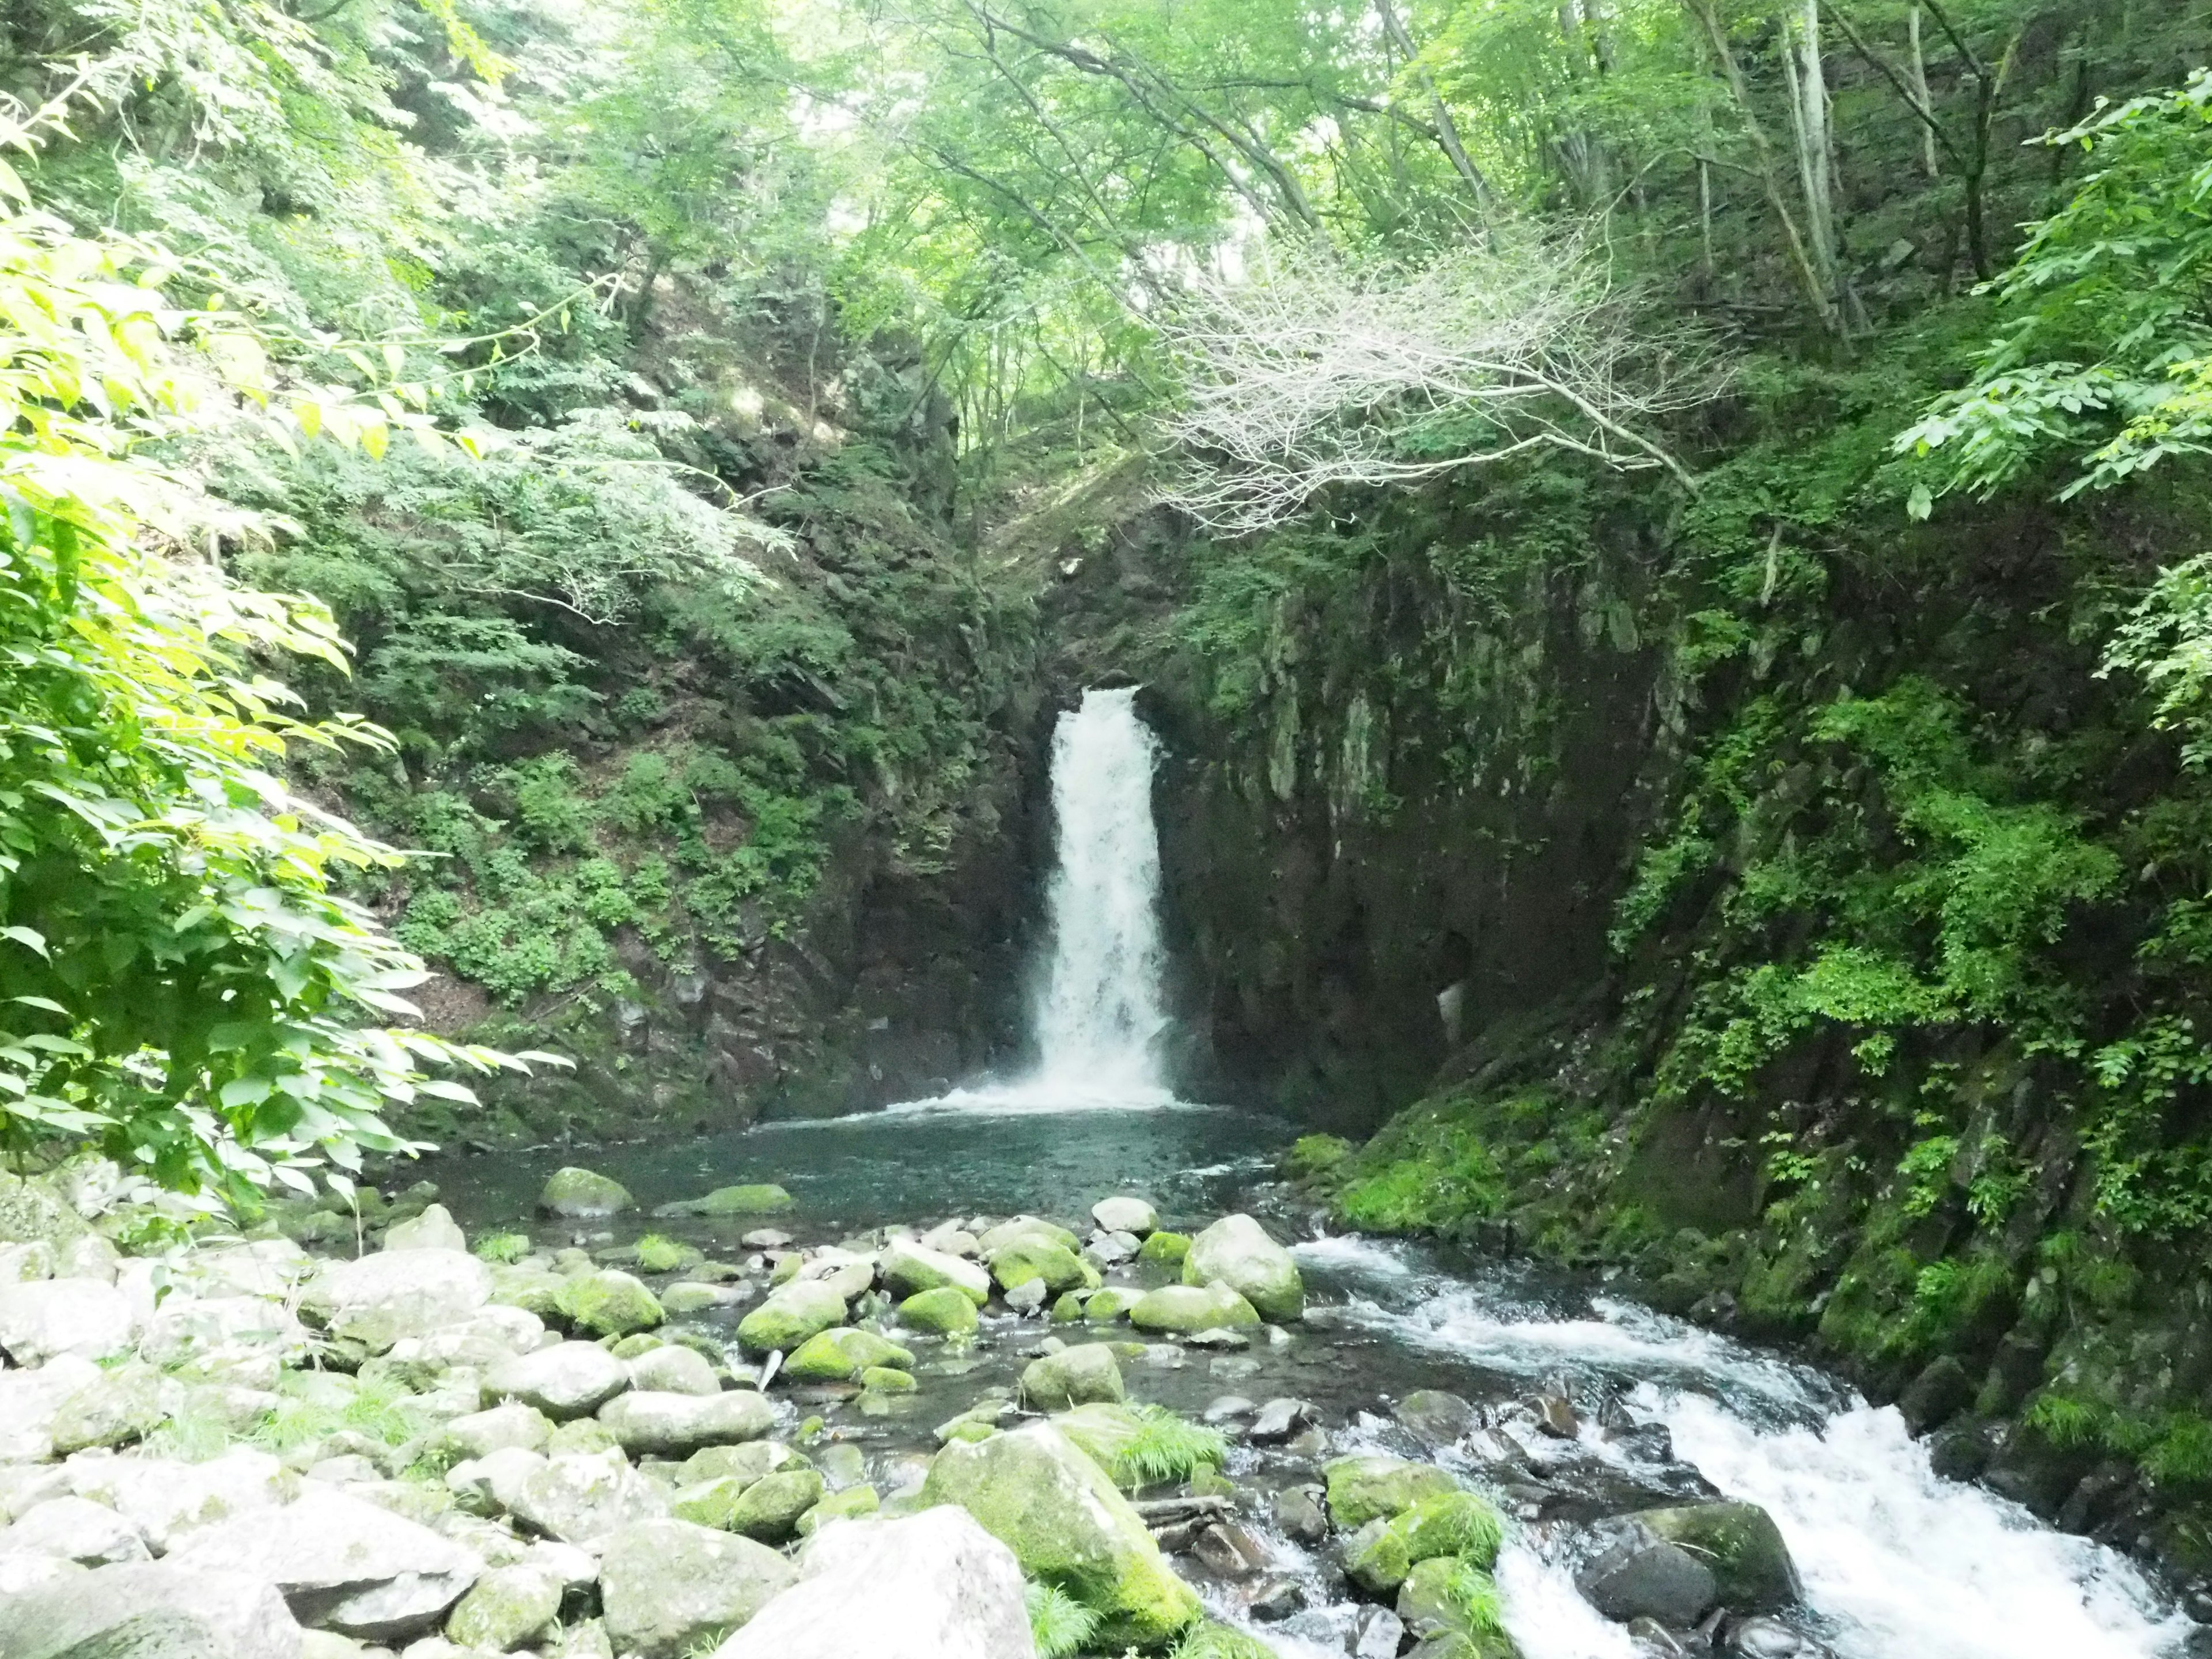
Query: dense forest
[1663,538]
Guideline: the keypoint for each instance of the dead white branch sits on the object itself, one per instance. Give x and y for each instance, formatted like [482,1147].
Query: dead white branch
[1325,373]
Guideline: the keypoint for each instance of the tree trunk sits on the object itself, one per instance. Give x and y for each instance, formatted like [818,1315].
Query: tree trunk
[1917,71]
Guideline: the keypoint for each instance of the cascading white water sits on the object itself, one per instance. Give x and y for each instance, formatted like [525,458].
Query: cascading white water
[1099,1014]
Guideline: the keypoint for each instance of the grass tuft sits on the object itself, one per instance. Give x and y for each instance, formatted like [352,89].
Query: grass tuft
[1058,1624]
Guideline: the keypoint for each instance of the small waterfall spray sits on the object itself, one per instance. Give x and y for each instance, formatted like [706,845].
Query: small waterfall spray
[1098,1015]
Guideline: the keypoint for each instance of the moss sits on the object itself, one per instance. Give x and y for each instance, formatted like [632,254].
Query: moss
[849,1504]
[945,1311]
[1369,1487]
[838,1356]
[656,1253]
[1312,1156]
[503,1250]
[762,1197]
[607,1303]
[1167,1249]
[882,1379]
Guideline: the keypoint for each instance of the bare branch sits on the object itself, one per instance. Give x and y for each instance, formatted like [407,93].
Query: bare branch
[1325,373]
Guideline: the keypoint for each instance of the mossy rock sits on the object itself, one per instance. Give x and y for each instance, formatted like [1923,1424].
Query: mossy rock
[852,1504]
[1457,1525]
[759,1198]
[1370,1487]
[1167,1250]
[1081,1375]
[607,1303]
[769,1510]
[839,1355]
[945,1311]
[1068,1310]
[1236,1251]
[503,1249]
[1750,1562]
[884,1379]
[1316,1155]
[1025,1227]
[1452,1605]
[583,1195]
[658,1254]
[1030,1257]
[1215,1641]
[792,1314]
[1036,1491]
[1184,1310]
[1104,1307]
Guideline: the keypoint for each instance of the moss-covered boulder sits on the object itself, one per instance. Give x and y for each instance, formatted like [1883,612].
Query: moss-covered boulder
[1217,1641]
[533,1289]
[1165,1249]
[1751,1564]
[1382,1554]
[1025,1227]
[792,1313]
[839,1355]
[945,1311]
[1082,1376]
[846,1505]
[887,1379]
[757,1198]
[1036,1491]
[1374,1487]
[769,1508]
[1104,1307]
[909,1268]
[1185,1309]
[505,1608]
[1453,1606]
[583,1195]
[607,1303]
[1235,1251]
[1030,1258]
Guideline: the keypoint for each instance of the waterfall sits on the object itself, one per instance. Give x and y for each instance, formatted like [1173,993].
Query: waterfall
[1097,1014]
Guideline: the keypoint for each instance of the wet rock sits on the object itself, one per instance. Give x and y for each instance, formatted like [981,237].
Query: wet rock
[1227,1550]
[1020,1227]
[1641,1577]
[791,1314]
[755,1198]
[1124,1215]
[1377,1634]
[1081,1375]
[433,1230]
[1276,1599]
[909,1269]
[74,1529]
[1187,1307]
[771,1507]
[1103,1307]
[567,1379]
[1769,1638]
[765,1239]
[841,1355]
[377,1300]
[1236,1251]
[1939,1393]
[1221,1336]
[1460,1525]
[1374,1487]
[1437,1417]
[1279,1420]
[1029,1297]
[582,1496]
[1226,1408]
[1556,1417]
[677,1425]
[1749,1561]
[1653,1640]
[1961,1451]
[685,1297]
[1036,1492]
[119,1612]
[607,1303]
[344,1565]
[1111,1249]
[946,1311]
[45,1318]
[1298,1515]
[583,1195]
[1028,1259]
[506,1607]
[930,1584]
[668,1586]
[855,1503]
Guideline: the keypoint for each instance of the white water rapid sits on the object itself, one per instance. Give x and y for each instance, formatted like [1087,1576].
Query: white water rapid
[1097,1016]
[1898,1562]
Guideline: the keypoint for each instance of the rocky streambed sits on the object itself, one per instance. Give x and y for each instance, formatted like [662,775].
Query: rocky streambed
[727,1425]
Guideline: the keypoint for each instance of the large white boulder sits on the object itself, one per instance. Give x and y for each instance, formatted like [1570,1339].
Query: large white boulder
[677,1425]
[30,1399]
[569,1379]
[345,1564]
[48,1317]
[909,1268]
[668,1585]
[583,1496]
[76,1529]
[130,1608]
[169,1501]
[1235,1251]
[187,1328]
[378,1299]
[931,1586]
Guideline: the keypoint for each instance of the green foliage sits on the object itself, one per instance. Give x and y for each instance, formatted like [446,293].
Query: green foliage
[1316,1155]
[1165,1449]
[1428,1167]
[503,1249]
[1215,1641]
[1058,1624]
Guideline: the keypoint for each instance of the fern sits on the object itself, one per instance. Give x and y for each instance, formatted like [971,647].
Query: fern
[1471,1595]
[1058,1624]
[1166,1449]
[1212,1641]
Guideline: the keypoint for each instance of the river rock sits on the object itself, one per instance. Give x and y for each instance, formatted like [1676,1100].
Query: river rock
[947,1310]
[377,1300]
[677,1425]
[607,1303]
[48,1317]
[1278,1420]
[1298,1517]
[932,1586]
[1030,1259]
[1029,1296]
[839,1355]
[187,1328]
[345,1564]
[151,1610]
[433,1230]
[673,1369]
[1371,1486]
[118,1405]
[1750,1565]
[994,1239]
[1236,1251]
[583,1195]
[1032,1489]
[1124,1215]
[1190,1309]
[506,1608]
[770,1507]
[666,1586]
[1641,1576]
[492,1484]
[569,1380]
[744,1463]
[757,1198]
[1437,1417]
[581,1496]
[75,1529]
[1081,1375]
[169,1502]
[909,1269]
[790,1316]
[481,1433]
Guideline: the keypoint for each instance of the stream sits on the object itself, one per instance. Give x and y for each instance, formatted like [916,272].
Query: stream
[1577,1405]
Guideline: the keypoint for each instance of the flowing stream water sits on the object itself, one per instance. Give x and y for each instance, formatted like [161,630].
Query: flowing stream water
[1897,1563]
